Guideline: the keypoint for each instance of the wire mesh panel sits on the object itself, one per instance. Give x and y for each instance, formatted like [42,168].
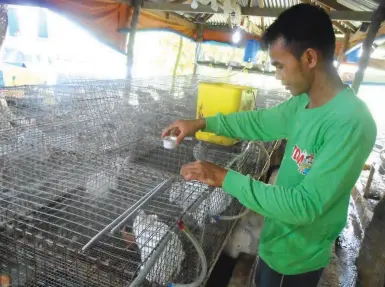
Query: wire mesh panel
[79,156]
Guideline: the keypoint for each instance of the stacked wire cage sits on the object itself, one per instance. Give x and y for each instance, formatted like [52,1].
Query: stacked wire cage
[89,196]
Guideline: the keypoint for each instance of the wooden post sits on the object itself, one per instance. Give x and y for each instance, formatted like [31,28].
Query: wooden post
[198,41]
[371,258]
[178,56]
[377,18]
[261,5]
[177,63]
[131,39]
[369,182]
[343,48]
[197,52]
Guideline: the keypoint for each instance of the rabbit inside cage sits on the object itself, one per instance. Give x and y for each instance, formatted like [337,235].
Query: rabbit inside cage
[73,164]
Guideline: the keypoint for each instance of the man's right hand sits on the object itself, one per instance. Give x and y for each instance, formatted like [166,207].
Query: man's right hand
[184,128]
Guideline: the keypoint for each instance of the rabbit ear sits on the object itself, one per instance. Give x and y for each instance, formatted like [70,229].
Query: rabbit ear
[141,213]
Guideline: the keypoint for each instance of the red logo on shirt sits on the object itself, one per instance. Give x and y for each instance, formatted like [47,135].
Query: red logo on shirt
[303,160]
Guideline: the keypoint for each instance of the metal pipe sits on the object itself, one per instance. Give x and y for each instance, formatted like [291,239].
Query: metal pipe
[159,187]
[140,203]
[151,261]
[203,261]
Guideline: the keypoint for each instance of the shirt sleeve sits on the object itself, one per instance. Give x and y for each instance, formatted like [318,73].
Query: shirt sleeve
[261,125]
[335,170]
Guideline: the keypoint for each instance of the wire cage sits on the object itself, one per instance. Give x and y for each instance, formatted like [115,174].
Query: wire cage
[89,196]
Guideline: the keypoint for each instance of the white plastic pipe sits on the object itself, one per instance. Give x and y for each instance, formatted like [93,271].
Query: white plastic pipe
[139,203]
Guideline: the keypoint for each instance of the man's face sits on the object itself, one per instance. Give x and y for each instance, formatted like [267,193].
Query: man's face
[296,75]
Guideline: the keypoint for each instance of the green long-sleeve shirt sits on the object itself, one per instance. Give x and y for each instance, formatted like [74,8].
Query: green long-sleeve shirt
[325,152]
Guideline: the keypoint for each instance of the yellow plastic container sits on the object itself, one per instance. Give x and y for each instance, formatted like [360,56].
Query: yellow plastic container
[214,98]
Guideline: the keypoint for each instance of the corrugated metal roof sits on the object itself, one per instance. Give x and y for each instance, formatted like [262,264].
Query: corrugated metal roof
[221,20]
[359,5]
[262,22]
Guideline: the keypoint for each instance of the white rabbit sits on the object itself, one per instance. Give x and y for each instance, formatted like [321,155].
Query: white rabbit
[245,236]
[213,205]
[185,193]
[122,163]
[100,183]
[149,232]
[239,242]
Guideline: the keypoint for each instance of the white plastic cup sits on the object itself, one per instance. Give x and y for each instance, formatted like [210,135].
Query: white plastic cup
[169,142]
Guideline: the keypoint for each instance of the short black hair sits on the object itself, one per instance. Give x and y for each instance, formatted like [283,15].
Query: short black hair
[303,26]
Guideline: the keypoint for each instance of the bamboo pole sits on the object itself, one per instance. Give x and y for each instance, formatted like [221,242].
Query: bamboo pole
[377,18]
[369,182]
[177,62]
[198,42]
[343,49]
[178,56]
[131,39]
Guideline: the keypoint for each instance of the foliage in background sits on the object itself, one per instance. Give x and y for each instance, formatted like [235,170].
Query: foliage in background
[219,53]
[156,53]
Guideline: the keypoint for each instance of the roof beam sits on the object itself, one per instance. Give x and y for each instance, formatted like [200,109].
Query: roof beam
[377,18]
[262,12]
[334,5]
[337,6]
[253,31]
[339,27]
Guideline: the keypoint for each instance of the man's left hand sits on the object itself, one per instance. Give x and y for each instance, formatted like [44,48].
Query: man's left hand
[204,172]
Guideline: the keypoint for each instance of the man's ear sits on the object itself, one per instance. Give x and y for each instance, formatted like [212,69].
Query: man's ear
[310,58]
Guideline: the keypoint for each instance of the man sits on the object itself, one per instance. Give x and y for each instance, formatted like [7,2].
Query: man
[330,134]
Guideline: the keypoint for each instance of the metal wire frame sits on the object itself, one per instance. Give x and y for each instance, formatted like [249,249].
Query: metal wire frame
[71,217]
[66,175]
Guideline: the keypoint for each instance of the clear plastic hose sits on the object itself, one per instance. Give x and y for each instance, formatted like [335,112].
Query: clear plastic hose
[240,161]
[202,258]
